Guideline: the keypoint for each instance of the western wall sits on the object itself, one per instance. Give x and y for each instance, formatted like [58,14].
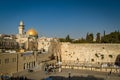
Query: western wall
[90,53]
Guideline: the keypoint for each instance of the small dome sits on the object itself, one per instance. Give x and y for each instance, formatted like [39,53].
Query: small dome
[32,32]
[21,23]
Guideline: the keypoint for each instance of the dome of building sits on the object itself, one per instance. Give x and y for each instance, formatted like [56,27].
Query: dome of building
[32,32]
[21,23]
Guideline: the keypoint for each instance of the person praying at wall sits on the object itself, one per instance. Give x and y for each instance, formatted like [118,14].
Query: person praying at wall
[109,73]
[69,75]
[46,70]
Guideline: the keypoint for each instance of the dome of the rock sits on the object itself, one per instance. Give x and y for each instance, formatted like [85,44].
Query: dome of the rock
[32,32]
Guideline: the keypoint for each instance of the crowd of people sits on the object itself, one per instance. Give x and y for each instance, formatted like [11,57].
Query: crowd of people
[50,68]
[4,77]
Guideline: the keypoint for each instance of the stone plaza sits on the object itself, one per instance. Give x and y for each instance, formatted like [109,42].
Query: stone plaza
[70,74]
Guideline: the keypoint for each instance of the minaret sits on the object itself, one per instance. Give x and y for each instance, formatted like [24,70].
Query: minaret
[21,27]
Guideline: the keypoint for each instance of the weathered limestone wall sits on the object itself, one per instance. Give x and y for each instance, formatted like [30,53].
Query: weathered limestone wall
[89,53]
[8,63]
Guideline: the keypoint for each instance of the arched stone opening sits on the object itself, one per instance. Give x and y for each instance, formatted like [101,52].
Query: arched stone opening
[117,61]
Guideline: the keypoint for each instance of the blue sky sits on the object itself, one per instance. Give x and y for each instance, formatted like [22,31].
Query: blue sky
[58,18]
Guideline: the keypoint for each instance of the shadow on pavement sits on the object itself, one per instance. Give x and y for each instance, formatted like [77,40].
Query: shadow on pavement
[89,77]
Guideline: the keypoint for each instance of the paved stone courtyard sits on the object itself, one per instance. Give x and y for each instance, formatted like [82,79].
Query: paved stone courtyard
[74,75]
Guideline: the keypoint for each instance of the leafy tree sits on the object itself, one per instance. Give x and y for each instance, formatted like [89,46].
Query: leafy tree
[62,39]
[113,37]
[68,38]
[82,40]
[89,37]
[104,32]
[98,38]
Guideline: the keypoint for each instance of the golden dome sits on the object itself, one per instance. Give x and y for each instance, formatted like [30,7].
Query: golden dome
[32,32]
